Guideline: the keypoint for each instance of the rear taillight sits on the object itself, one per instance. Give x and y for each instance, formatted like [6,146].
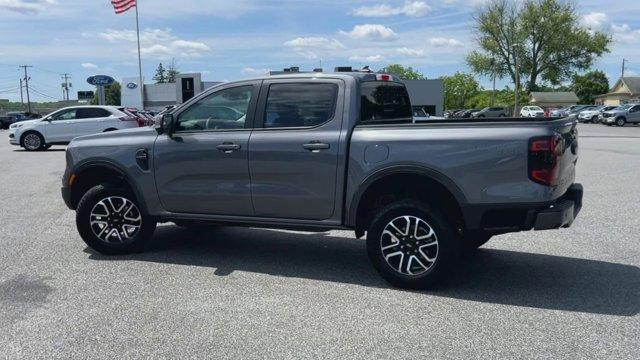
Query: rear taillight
[543,159]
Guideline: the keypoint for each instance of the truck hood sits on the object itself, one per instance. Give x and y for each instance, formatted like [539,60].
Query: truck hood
[118,134]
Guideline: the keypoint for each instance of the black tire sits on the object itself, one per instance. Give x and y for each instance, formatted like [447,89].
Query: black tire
[594,119]
[110,129]
[132,244]
[621,121]
[446,250]
[33,141]
[502,115]
[470,242]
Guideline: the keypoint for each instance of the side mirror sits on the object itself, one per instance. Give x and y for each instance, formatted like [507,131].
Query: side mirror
[166,125]
[48,118]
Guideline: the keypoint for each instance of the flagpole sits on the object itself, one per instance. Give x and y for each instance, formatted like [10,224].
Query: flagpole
[140,83]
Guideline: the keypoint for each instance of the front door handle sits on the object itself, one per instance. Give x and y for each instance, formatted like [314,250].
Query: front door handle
[315,146]
[228,147]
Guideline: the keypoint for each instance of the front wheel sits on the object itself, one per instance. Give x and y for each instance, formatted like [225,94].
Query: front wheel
[110,220]
[33,141]
[621,121]
[411,244]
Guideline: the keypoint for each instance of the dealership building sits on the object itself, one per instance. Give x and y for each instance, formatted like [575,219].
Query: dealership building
[427,93]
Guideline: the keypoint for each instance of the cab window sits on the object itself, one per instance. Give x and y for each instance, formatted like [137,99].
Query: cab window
[300,104]
[223,110]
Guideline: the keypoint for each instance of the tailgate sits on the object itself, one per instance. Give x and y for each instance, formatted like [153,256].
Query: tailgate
[566,154]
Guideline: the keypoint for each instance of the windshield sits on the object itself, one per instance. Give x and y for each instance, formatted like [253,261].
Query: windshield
[535,108]
[623,107]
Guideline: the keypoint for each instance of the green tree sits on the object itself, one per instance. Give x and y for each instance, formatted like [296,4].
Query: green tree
[590,84]
[504,98]
[458,88]
[161,75]
[172,71]
[544,36]
[404,72]
[111,95]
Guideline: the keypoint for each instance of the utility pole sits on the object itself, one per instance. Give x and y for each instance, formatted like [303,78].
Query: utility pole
[26,84]
[624,61]
[21,98]
[65,86]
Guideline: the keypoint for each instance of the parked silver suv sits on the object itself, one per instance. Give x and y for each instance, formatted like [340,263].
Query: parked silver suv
[628,113]
[490,112]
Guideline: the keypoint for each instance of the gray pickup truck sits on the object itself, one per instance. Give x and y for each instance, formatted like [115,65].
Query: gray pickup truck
[321,151]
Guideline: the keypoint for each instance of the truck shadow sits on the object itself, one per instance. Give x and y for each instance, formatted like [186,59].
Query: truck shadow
[491,276]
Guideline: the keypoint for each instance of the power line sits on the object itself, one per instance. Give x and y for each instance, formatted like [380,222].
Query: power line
[42,94]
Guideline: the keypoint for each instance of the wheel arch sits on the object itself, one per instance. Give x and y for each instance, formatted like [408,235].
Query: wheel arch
[90,174]
[423,182]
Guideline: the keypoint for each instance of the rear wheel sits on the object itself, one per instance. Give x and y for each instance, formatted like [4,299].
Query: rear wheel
[411,244]
[110,221]
[33,141]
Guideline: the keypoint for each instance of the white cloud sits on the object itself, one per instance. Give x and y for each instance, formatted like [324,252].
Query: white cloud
[156,50]
[625,34]
[371,32]
[371,58]
[410,8]
[254,72]
[595,20]
[88,65]
[410,52]
[27,7]
[445,42]
[314,42]
[157,43]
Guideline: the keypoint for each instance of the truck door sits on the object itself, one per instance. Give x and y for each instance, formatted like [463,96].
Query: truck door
[203,168]
[293,149]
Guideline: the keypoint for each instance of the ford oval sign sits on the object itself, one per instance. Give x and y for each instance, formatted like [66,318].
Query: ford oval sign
[100,80]
[132,85]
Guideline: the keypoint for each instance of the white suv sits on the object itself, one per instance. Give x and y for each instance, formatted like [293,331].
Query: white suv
[61,126]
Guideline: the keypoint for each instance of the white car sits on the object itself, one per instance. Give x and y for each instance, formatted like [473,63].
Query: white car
[61,126]
[532,111]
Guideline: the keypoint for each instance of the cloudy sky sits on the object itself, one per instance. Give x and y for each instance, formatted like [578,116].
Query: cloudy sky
[233,39]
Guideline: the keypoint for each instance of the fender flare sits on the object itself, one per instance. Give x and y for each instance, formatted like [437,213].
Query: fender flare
[434,175]
[86,165]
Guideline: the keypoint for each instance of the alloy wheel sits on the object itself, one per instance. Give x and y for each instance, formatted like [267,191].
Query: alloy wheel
[116,220]
[409,245]
[32,142]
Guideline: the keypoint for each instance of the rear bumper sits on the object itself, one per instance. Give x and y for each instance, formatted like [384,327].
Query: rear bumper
[505,218]
[562,212]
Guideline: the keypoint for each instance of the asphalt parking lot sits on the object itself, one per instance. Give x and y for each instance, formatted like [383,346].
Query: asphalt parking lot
[250,293]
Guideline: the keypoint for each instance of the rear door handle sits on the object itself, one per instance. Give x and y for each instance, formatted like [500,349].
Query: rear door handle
[228,147]
[315,146]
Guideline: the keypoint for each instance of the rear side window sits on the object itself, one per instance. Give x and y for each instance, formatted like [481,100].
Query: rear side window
[300,104]
[89,113]
[384,101]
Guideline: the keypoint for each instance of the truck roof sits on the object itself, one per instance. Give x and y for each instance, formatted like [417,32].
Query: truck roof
[357,75]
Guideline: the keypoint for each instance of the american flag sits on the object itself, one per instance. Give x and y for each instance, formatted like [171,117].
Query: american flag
[121,6]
